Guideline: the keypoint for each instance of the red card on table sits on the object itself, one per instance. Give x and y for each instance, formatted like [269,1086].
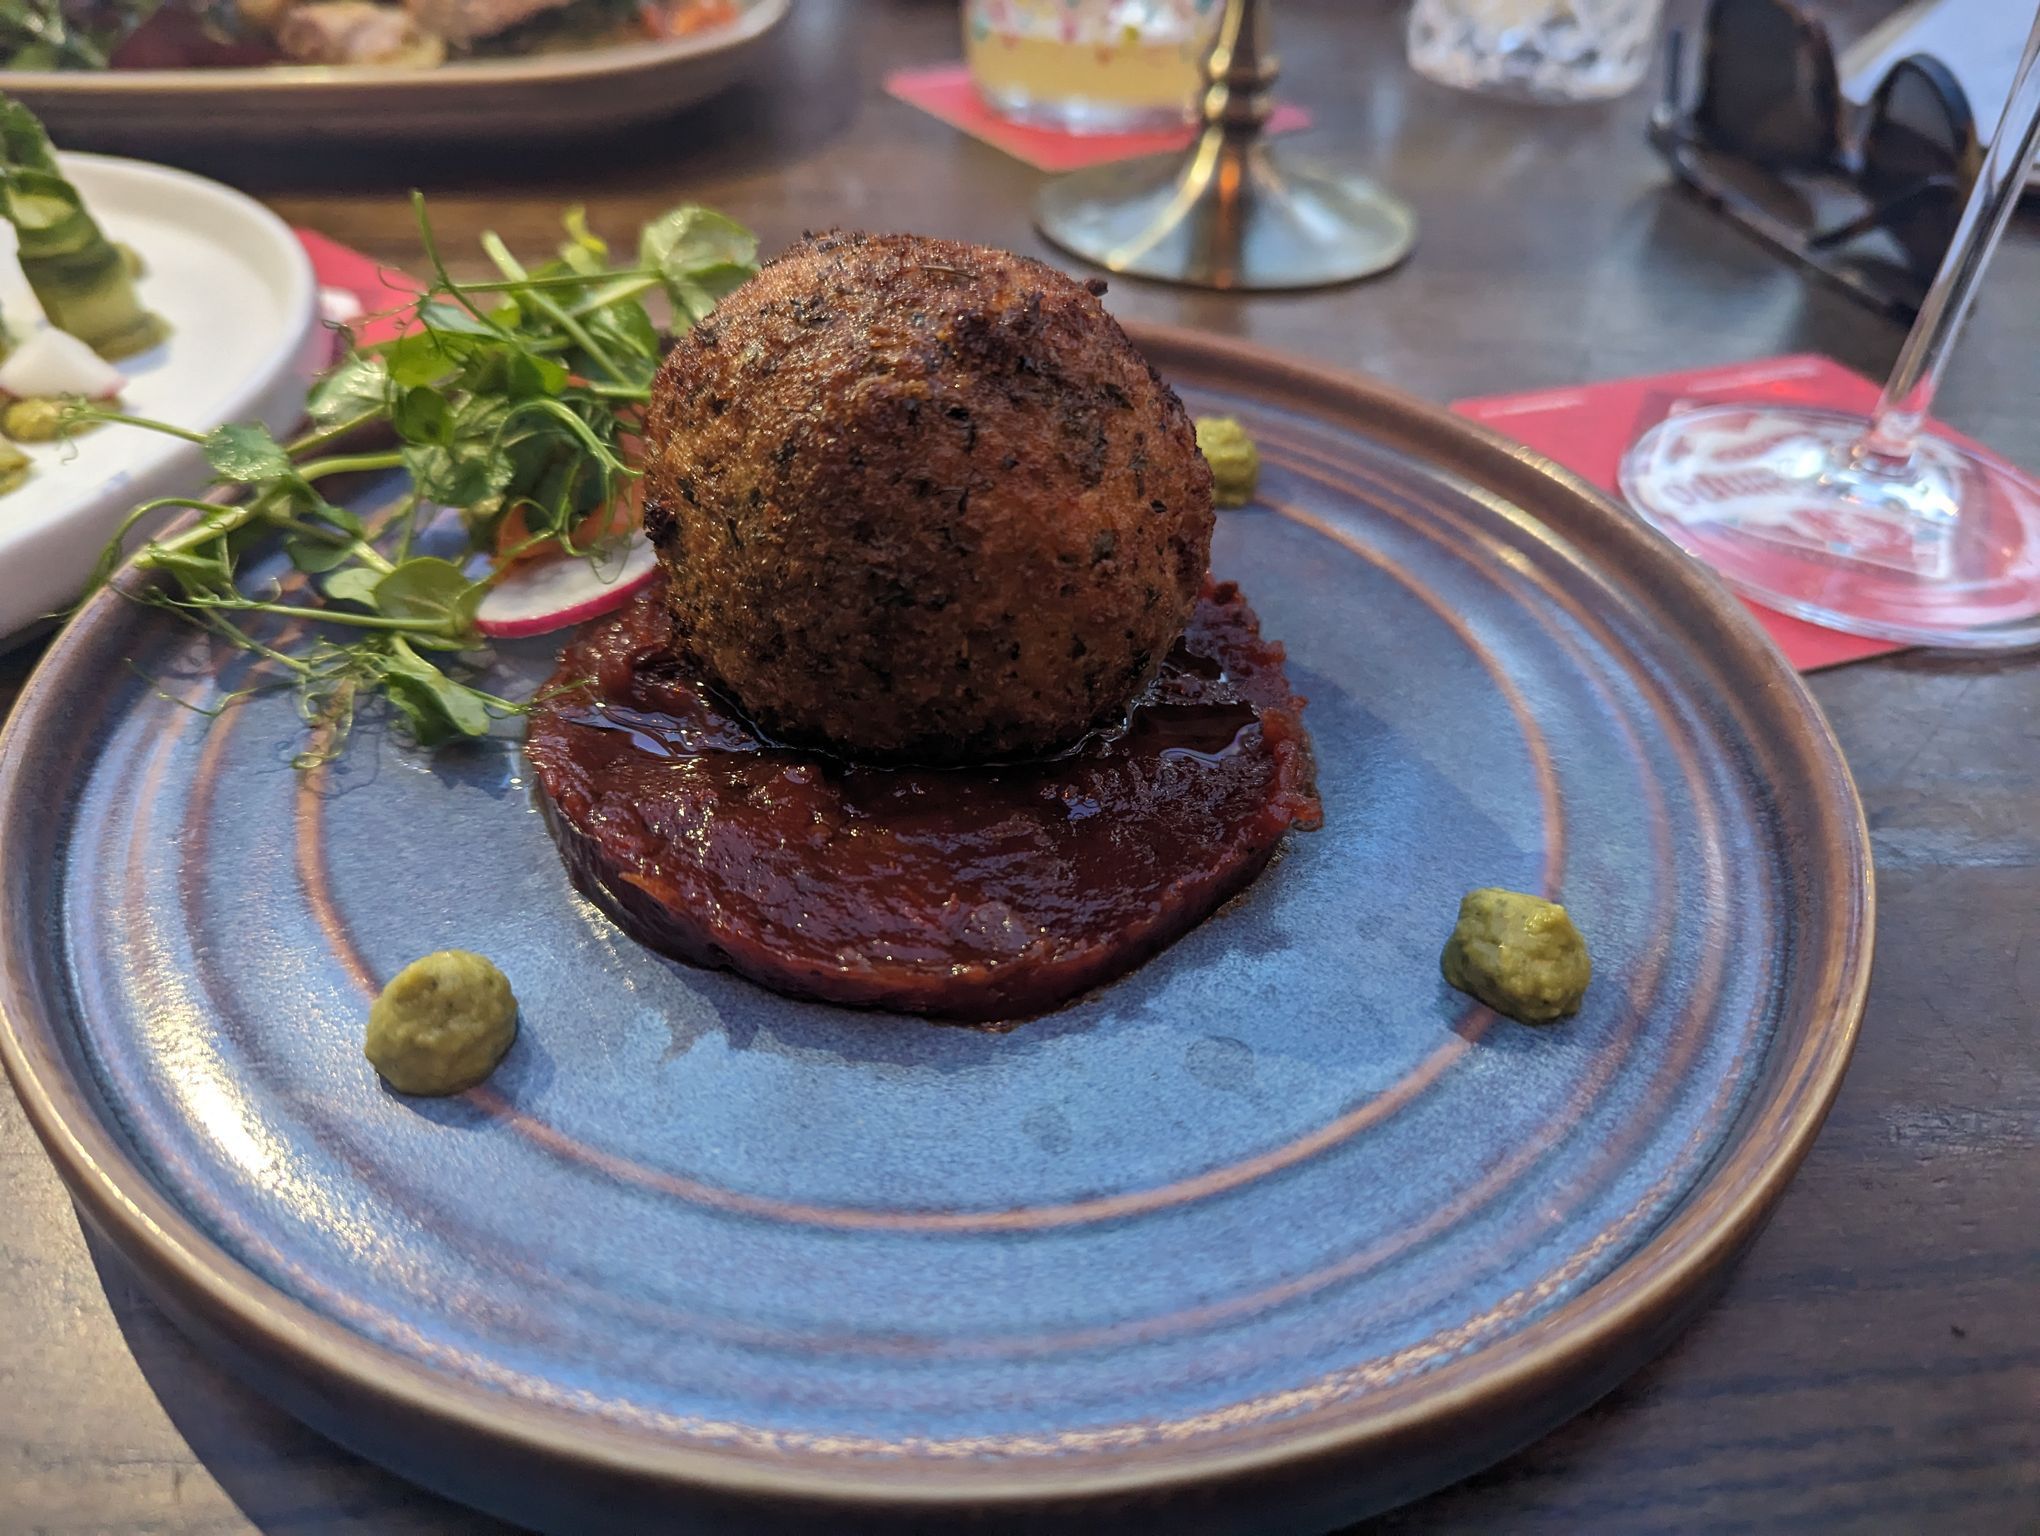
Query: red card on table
[357,291]
[946,92]
[1587,429]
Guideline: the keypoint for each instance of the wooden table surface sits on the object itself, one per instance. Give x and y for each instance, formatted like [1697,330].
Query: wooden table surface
[1875,1364]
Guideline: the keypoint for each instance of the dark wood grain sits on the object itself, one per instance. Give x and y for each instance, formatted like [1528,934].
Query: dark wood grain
[1875,1365]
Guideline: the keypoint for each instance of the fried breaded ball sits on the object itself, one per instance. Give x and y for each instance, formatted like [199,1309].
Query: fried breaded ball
[920,500]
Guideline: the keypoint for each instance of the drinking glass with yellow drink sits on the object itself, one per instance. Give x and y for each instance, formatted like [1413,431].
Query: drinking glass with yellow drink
[1089,66]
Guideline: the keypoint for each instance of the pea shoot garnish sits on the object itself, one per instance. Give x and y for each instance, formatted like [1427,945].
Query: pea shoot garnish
[511,407]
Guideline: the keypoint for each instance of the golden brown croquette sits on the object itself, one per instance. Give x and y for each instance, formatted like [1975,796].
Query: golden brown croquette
[922,500]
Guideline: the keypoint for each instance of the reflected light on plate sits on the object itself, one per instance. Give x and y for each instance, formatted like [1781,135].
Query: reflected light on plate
[227,1121]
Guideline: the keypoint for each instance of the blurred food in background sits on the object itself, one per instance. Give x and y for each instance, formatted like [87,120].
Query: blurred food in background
[416,34]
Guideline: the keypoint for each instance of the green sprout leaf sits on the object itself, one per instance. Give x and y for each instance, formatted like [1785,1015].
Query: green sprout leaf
[341,518]
[628,325]
[422,415]
[584,251]
[513,373]
[355,584]
[457,476]
[434,708]
[692,239]
[423,357]
[432,593]
[528,376]
[513,394]
[245,454]
[358,386]
[315,556]
[453,320]
[699,291]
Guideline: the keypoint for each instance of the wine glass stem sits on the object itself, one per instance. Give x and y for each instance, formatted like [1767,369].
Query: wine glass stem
[1909,393]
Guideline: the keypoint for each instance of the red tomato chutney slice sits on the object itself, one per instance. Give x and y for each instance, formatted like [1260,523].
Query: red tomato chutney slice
[984,893]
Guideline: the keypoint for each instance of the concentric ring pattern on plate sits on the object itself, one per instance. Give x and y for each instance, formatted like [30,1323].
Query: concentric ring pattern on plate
[1278,1181]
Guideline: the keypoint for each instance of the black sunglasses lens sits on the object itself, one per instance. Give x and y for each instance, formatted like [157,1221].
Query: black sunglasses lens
[1917,147]
[1915,132]
[1769,91]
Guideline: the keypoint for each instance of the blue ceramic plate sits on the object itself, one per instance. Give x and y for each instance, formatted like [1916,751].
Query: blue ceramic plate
[1273,1232]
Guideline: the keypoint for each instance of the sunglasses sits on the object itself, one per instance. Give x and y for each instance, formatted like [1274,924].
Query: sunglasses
[1868,198]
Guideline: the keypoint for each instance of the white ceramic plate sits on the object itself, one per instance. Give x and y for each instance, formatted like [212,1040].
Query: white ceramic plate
[575,90]
[245,341]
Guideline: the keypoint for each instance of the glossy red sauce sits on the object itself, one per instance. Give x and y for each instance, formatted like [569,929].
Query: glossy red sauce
[983,893]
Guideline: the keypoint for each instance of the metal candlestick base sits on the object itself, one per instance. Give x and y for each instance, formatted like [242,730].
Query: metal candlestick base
[1223,221]
[1232,213]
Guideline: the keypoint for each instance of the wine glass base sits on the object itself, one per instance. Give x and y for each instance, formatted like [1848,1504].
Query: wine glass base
[1944,551]
[1227,217]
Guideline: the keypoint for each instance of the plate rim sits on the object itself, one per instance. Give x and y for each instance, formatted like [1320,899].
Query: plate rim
[288,356]
[565,67]
[1652,1289]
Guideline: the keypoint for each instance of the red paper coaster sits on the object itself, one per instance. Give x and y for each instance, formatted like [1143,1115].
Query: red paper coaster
[354,290]
[946,92]
[1589,428]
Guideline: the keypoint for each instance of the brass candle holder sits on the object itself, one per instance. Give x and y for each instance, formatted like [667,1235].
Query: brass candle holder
[1234,212]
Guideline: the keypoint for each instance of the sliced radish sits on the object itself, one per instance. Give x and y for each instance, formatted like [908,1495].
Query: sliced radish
[52,362]
[540,596]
